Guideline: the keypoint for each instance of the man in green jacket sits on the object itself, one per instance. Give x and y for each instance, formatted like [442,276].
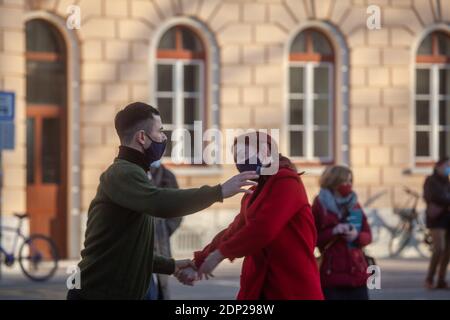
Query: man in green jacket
[117,260]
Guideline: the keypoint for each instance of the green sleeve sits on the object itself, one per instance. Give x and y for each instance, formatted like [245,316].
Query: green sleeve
[163,265]
[132,189]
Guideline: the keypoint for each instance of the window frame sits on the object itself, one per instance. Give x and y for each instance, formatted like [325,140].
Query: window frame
[434,63]
[59,57]
[310,60]
[178,95]
[41,111]
[178,58]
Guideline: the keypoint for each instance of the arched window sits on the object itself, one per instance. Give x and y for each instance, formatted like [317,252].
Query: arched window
[180,78]
[310,124]
[432,98]
[46,98]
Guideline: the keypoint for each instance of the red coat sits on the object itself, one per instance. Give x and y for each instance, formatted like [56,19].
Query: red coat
[277,236]
[341,266]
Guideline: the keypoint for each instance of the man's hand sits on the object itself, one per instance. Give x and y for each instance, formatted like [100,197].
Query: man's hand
[182,264]
[210,264]
[234,185]
[185,271]
[187,276]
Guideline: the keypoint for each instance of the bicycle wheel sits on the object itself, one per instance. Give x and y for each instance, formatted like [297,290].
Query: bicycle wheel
[399,240]
[422,242]
[38,257]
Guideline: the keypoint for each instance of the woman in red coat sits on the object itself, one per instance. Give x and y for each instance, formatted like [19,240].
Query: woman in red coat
[342,233]
[274,231]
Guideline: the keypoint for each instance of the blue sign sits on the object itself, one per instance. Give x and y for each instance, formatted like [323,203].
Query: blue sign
[6,135]
[7,103]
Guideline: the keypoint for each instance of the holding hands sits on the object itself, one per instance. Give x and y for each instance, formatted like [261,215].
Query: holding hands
[187,276]
[187,273]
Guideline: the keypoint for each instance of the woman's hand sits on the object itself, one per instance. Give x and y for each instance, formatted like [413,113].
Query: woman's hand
[210,264]
[351,234]
[341,228]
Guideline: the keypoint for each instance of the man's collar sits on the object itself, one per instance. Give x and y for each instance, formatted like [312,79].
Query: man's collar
[133,156]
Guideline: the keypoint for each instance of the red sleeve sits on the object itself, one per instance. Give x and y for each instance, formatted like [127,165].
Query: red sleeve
[200,256]
[324,232]
[365,235]
[287,197]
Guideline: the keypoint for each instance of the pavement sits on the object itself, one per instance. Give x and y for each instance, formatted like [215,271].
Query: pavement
[400,279]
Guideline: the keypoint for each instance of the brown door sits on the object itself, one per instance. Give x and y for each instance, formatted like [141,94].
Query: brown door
[46,193]
[46,133]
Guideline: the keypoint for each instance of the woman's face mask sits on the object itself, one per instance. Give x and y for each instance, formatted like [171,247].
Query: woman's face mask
[345,189]
[247,166]
[247,159]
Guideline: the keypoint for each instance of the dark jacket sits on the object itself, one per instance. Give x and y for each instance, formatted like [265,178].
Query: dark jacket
[164,228]
[437,190]
[118,260]
[342,266]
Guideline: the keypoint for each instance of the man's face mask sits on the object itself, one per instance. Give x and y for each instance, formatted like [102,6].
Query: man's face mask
[155,151]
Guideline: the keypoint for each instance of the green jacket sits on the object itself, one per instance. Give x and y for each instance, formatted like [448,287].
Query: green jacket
[118,259]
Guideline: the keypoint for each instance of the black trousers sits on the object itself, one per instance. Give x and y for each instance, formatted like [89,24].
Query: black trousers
[74,295]
[358,293]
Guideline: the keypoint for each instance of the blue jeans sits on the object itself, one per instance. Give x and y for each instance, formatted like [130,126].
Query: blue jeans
[152,293]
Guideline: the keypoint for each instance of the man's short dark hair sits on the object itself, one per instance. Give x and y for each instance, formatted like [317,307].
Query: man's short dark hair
[132,118]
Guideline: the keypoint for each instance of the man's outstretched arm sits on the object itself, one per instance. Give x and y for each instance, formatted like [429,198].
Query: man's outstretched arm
[134,191]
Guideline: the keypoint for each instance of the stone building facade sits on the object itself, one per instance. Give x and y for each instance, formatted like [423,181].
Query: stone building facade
[338,91]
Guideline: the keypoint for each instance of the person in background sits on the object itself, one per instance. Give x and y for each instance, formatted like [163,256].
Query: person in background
[437,197]
[343,232]
[162,177]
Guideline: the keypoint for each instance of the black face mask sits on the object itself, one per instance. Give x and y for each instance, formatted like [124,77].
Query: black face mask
[247,166]
[155,151]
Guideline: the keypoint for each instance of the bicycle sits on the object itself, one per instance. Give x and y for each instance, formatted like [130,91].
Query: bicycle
[37,255]
[411,229]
